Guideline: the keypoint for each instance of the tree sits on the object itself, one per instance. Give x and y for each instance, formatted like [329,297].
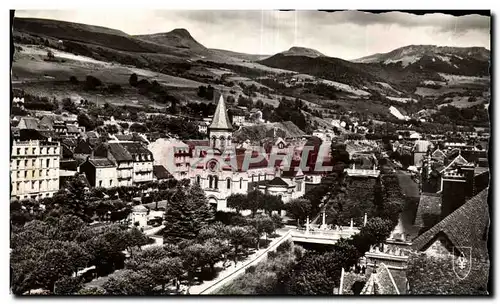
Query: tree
[135,239]
[73,80]
[70,106]
[255,199]
[277,221]
[237,201]
[68,285]
[133,80]
[271,203]
[85,121]
[73,200]
[376,231]
[91,82]
[50,55]
[187,213]
[240,238]
[164,270]
[129,282]
[92,291]
[299,209]
[263,224]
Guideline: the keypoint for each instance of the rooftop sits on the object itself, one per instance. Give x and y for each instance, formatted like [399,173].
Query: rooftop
[466,227]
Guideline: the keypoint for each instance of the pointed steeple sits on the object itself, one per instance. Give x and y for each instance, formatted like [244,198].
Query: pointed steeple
[221,119]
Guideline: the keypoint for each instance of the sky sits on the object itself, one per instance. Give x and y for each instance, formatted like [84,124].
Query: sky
[343,34]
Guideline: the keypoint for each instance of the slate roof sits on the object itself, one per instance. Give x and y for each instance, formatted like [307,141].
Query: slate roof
[70,142]
[428,211]
[381,282]
[72,129]
[160,172]
[465,227]
[278,181]
[135,148]
[119,152]
[101,162]
[124,137]
[221,119]
[30,123]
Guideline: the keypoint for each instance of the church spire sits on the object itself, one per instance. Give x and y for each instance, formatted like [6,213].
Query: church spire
[221,119]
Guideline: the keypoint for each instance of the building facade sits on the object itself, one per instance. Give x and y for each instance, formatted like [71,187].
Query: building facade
[100,172]
[34,169]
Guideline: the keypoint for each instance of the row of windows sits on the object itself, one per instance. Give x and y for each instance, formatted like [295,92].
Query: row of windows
[142,157]
[33,185]
[33,163]
[21,174]
[264,177]
[33,150]
[213,182]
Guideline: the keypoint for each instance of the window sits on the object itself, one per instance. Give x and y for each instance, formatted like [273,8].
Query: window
[26,151]
[25,174]
[32,150]
[228,181]
[198,179]
[110,182]
[210,181]
[33,162]
[18,151]
[253,178]
[25,163]
[216,180]
[18,174]
[259,177]
[299,186]
[40,173]
[18,164]
[18,185]
[100,183]
[47,163]
[241,182]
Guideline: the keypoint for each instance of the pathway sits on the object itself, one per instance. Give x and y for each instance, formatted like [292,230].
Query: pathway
[229,274]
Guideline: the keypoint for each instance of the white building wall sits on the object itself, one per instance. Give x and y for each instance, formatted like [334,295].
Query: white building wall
[106,177]
[34,169]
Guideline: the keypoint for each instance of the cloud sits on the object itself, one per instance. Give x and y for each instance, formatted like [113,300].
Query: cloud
[443,22]
[343,34]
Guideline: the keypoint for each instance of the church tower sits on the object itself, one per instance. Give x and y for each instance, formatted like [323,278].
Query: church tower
[220,131]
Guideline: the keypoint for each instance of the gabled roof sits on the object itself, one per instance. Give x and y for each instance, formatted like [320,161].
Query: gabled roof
[221,119]
[381,282]
[459,160]
[465,227]
[438,154]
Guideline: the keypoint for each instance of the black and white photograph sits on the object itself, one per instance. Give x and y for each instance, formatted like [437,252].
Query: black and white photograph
[165,152]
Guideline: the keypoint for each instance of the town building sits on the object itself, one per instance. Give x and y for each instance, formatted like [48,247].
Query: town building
[100,172]
[34,169]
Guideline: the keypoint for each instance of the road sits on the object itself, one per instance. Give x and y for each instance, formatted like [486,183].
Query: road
[411,191]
